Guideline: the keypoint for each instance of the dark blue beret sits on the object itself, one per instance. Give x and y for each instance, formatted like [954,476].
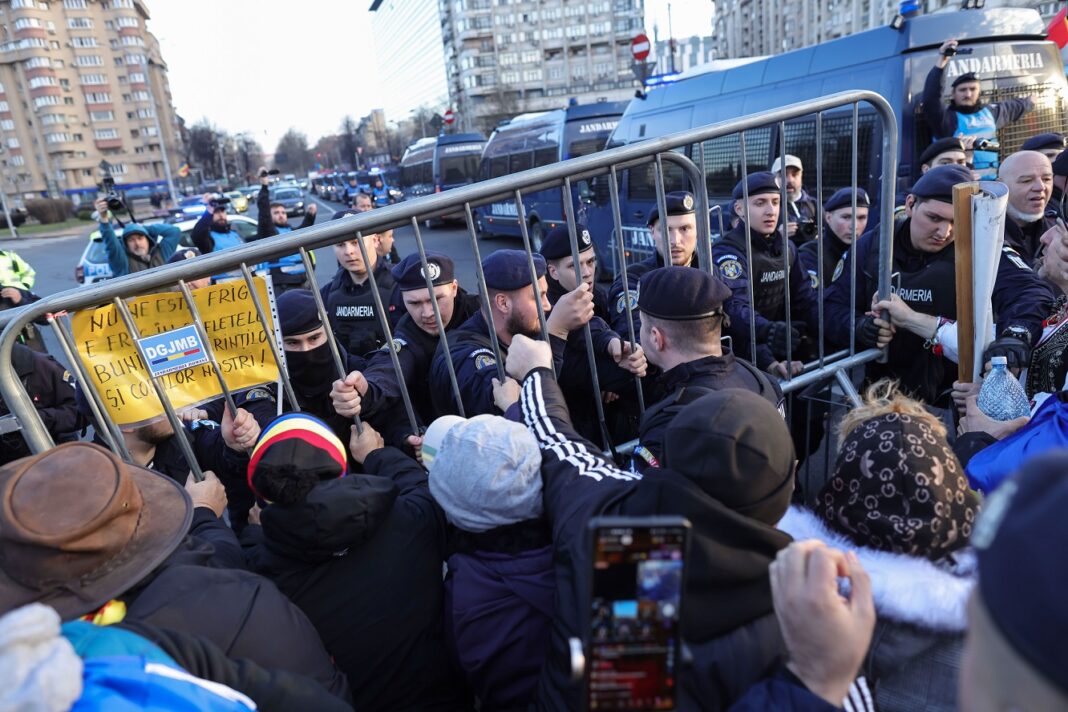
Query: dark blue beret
[183,253]
[557,244]
[939,147]
[760,183]
[507,270]
[408,275]
[843,198]
[1043,140]
[681,293]
[297,312]
[1016,538]
[679,202]
[937,183]
[1060,164]
[965,78]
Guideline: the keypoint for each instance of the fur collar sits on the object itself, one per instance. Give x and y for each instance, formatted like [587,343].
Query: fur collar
[907,589]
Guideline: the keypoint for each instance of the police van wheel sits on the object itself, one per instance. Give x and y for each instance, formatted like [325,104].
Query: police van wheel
[537,235]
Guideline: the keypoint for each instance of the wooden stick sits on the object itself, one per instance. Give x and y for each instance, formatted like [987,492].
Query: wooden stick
[962,241]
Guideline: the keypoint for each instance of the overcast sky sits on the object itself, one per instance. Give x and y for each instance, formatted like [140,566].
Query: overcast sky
[262,66]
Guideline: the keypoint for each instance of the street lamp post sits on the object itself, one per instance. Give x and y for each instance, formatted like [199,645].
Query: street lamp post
[159,133]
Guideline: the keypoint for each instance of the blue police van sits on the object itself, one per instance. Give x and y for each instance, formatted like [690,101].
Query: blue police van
[540,139]
[1006,48]
[438,163]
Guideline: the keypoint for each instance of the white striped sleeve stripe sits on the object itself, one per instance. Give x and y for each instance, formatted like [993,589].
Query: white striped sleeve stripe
[215,688]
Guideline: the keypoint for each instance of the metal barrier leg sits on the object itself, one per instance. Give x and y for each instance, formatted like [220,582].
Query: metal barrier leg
[261,312]
[484,292]
[613,189]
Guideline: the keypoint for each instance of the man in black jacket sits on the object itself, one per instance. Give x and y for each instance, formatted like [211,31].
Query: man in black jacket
[1029,176]
[728,468]
[362,556]
[287,272]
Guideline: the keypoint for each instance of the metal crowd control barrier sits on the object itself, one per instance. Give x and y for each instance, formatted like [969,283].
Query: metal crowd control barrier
[559,176]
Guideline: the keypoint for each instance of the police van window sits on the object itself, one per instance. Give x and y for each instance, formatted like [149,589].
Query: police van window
[642,182]
[459,169]
[723,157]
[837,150]
[521,161]
[585,147]
[545,156]
[1047,116]
[498,166]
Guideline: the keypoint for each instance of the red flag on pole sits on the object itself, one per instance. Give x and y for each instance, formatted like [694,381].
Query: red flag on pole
[1058,29]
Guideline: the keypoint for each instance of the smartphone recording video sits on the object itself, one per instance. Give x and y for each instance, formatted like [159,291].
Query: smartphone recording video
[634,637]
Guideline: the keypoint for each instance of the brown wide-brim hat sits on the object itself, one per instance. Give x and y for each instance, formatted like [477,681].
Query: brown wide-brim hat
[78,527]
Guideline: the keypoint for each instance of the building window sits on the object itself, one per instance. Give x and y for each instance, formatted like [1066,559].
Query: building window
[109,24]
[128,22]
[132,59]
[79,23]
[7,124]
[81,42]
[50,119]
[74,4]
[122,4]
[21,161]
[137,78]
[141,96]
[60,137]
[65,83]
[26,22]
[145,113]
[133,41]
[38,82]
[68,100]
[94,79]
[532,75]
[37,62]
[118,169]
[105,133]
[12,142]
[101,97]
[102,115]
[89,60]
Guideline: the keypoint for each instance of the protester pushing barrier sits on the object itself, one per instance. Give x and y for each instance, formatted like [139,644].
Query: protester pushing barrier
[562,176]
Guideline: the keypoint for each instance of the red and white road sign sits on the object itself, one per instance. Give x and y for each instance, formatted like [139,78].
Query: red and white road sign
[639,47]
[449,117]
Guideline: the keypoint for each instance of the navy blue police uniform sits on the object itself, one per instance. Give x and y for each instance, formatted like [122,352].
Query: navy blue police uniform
[833,247]
[51,388]
[352,310]
[676,203]
[470,345]
[414,346]
[770,283]
[681,294]
[927,283]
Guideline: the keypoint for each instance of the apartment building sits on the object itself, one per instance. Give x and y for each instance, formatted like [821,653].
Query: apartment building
[81,82]
[506,57]
[752,28]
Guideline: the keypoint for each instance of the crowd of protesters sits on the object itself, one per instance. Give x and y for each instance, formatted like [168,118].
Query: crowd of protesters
[414,536]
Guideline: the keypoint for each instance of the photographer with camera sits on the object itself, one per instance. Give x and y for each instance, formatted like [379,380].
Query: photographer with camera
[966,114]
[287,272]
[212,232]
[141,246]
[801,210]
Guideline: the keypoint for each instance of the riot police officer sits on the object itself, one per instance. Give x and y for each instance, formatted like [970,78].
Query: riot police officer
[348,298]
[838,235]
[770,278]
[1049,145]
[923,260]
[682,318]
[681,226]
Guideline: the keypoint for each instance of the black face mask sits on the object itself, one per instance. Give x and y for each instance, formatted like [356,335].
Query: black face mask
[311,368]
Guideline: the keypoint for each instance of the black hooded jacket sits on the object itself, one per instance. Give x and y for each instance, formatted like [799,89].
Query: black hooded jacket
[362,557]
[727,593]
[202,590]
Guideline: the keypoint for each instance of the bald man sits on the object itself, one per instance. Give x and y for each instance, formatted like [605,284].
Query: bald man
[1029,176]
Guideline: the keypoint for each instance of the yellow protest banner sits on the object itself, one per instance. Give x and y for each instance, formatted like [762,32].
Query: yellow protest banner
[232,325]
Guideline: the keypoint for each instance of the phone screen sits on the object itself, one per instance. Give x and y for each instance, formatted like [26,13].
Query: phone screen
[634,636]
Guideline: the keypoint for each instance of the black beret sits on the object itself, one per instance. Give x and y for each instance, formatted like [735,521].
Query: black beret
[557,244]
[760,183]
[679,202]
[1060,164]
[408,275]
[937,183]
[843,198]
[297,312]
[1016,538]
[939,147]
[183,253]
[1043,140]
[507,270]
[681,293]
[965,78]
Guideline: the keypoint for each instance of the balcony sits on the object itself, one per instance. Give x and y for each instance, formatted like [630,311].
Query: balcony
[104,143]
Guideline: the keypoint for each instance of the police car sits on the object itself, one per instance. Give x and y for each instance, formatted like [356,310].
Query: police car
[93,266]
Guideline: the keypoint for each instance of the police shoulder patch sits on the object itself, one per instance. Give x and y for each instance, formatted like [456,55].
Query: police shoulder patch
[68,378]
[838,269]
[206,424]
[484,358]
[1015,258]
[398,344]
[814,276]
[631,297]
[730,268]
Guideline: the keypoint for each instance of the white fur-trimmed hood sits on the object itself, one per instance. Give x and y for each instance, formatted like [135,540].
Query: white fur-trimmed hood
[907,589]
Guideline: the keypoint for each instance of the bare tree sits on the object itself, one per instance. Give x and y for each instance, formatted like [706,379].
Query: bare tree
[292,154]
[500,105]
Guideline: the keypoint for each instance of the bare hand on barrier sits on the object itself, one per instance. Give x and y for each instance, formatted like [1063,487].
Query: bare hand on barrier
[191,415]
[976,421]
[415,442]
[778,368]
[1053,265]
[525,355]
[208,493]
[633,361]
[11,294]
[572,311]
[239,432]
[364,443]
[346,394]
[312,209]
[960,394]
[506,394]
[254,514]
[826,634]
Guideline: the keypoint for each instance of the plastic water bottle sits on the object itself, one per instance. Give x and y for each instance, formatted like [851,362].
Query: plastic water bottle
[1001,396]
